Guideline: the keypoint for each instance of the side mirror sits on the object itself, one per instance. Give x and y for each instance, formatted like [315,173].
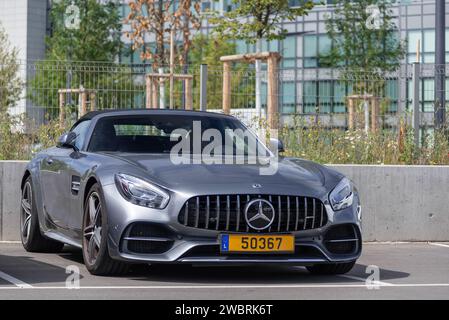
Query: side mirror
[277,145]
[67,140]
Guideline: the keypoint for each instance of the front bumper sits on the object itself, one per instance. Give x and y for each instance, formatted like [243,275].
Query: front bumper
[172,242]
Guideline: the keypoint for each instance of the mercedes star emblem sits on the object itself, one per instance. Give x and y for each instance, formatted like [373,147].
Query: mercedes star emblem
[259,214]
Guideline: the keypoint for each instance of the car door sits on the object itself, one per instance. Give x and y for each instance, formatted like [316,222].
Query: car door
[77,170]
[58,179]
[56,184]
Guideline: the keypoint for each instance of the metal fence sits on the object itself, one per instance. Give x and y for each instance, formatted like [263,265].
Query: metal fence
[333,98]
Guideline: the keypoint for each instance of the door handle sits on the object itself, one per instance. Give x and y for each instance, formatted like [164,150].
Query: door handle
[49,160]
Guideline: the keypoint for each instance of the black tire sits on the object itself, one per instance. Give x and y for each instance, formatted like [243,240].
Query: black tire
[30,233]
[95,252]
[330,269]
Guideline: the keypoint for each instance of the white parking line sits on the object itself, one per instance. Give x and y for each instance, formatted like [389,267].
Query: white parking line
[310,286]
[439,244]
[374,283]
[18,283]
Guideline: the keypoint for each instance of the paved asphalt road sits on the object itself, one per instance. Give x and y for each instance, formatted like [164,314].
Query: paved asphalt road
[407,271]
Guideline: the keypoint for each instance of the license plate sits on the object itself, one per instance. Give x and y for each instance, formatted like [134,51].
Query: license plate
[244,243]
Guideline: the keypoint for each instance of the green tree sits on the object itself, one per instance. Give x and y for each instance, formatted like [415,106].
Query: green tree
[84,30]
[156,18]
[11,86]
[365,44]
[10,82]
[253,20]
[364,37]
[81,51]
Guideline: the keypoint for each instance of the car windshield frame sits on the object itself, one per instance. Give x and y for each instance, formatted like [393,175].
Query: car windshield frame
[261,148]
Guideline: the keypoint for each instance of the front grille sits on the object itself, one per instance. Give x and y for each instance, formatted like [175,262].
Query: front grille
[226,213]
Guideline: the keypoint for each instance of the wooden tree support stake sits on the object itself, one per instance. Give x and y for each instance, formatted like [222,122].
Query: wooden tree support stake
[85,97]
[272,59]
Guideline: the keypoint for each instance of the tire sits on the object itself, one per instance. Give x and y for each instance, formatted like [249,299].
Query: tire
[95,245]
[331,269]
[30,233]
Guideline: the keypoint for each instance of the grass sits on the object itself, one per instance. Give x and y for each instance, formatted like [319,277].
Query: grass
[385,146]
[314,142]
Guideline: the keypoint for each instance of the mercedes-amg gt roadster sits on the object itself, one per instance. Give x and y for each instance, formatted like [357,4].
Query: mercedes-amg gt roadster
[134,186]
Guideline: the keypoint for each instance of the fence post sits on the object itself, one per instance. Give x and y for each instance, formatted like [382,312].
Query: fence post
[415,80]
[203,87]
[154,93]
[188,94]
[148,93]
[350,113]
[227,87]
[273,94]
[61,108]
[374,114]
[172,66]
[83,98]
[161,90]
[93,101]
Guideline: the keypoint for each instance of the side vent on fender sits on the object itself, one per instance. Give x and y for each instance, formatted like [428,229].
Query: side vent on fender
[76,181]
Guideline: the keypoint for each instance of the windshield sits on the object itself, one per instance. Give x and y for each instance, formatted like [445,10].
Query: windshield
[175,133]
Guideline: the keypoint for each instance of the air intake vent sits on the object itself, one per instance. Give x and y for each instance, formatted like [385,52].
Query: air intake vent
[342,239]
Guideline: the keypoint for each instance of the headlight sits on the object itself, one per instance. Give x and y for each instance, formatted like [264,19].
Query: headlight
[342,196]
[141,192]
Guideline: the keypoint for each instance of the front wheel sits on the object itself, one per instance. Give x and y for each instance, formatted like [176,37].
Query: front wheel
[95,230]
[30,233]
[330,269]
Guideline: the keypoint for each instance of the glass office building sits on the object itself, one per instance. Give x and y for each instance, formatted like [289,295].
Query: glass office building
[308,84]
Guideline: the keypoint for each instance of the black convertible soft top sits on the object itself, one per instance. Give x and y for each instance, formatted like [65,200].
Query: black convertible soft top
[93,114]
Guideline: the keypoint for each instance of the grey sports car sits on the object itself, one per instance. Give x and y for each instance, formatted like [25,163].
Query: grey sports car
[130,186]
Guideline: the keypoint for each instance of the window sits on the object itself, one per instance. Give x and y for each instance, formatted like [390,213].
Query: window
[325,96]
[289,47]
[205,6]
[310,51]
[288,97]
[339,97]
[427,45]
[124,11]
[314,48]
[81,129]
[328,96]
[426,94]
[240,46]
[310,96]
[391,92]
[126,54]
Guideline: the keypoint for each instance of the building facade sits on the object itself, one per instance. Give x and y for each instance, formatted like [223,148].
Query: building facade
[26,24]
[305,84]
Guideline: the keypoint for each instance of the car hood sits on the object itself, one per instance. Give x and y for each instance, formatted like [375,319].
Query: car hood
[292,176]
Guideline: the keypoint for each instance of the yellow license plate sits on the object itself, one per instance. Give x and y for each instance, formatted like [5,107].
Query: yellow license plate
[243,243]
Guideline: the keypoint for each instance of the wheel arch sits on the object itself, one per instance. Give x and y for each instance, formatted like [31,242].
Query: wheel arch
[90,182]
[26,175]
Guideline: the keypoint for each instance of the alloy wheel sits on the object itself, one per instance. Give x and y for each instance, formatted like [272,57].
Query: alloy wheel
[92,231]
[25,212]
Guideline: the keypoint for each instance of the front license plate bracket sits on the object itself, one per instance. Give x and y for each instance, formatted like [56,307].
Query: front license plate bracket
[250,243]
